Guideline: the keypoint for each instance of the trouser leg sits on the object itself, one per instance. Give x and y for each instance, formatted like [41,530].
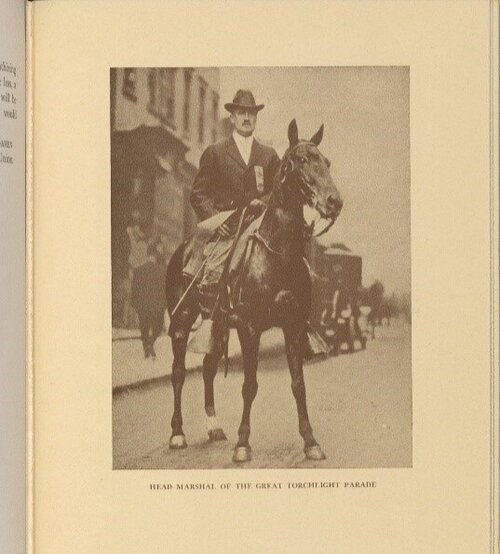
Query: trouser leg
[156,325]
[156,329]
[145,325]
[216,255]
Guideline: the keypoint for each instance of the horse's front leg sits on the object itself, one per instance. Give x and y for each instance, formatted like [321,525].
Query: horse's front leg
[249,339]
[179,332]
[210,363]
[294,342]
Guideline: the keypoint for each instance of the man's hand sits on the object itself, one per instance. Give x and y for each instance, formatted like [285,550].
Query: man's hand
[257,206]
[223,231]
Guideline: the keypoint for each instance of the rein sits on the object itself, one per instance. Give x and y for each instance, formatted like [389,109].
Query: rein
[262,240]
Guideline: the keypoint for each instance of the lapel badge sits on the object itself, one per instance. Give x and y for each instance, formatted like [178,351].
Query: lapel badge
[259,178]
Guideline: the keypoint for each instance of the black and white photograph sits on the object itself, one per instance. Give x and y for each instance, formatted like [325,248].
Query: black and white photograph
[261,267]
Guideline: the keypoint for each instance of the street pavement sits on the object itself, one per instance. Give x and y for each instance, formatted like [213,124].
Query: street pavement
[360,408]
[131,369]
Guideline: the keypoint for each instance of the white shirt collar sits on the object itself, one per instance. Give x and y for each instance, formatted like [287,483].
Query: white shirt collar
[244,145]
[240,139]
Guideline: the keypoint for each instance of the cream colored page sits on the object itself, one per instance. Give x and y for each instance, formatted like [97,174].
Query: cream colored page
[442,504]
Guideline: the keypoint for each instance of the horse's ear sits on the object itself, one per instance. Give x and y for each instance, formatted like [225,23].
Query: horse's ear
[293,133]
[316,139]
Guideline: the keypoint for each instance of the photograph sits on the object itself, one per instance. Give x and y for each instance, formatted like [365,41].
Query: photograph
[261,267]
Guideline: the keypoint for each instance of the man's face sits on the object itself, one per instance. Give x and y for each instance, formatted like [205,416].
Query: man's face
[244,121]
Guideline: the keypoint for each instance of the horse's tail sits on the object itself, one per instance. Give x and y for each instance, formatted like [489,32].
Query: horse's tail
[174,283]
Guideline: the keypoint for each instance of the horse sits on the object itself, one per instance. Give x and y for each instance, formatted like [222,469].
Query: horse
[274,290]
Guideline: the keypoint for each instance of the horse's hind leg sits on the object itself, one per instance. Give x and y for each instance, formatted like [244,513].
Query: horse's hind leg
[249,340]
[179,332]
[294,351]
[210,362]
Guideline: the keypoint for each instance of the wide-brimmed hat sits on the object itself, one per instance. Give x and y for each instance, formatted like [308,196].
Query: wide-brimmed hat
[243,99]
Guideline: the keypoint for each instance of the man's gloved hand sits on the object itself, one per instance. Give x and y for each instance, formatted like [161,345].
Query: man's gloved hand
[224,231]
[257,206]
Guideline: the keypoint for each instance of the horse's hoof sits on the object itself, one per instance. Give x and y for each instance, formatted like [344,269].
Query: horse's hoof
[177,442]
[314,453]
[216,435]
[242,454]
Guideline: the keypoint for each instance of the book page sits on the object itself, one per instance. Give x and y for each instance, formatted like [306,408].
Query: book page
[129,105]
[12,273]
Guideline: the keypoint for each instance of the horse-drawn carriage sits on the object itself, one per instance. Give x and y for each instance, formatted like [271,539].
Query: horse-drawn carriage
[336,302]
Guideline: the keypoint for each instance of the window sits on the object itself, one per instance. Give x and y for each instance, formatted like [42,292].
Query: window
[152,86]
[161,85]
[167,95]
[201,115]
[188,77]
[215,116]
[129,82]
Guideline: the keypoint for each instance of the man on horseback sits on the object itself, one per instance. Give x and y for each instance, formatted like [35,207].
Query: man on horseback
[274,287]
[234,173]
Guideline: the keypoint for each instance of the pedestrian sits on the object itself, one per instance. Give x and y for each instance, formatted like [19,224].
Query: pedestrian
[149,299]
[234,173]
[162,249]
[137,242]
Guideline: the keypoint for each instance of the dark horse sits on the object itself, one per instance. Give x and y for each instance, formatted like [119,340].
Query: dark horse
[274,290]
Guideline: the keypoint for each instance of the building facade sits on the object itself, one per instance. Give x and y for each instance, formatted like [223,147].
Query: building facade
[161,121]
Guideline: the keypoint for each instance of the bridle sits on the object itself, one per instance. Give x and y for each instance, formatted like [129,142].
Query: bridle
[288,169]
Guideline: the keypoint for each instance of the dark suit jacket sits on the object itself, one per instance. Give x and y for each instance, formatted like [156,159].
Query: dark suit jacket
[225,182]
[148,288]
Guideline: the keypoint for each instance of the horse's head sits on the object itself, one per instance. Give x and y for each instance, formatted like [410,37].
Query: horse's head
[305,177]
